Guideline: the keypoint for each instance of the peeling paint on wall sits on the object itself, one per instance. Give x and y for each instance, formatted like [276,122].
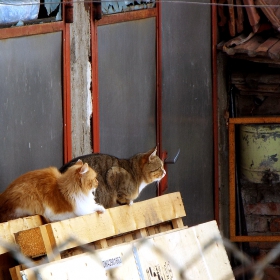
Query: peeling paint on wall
[89,97]
[81,104]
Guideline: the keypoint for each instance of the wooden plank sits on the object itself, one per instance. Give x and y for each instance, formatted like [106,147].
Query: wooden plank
[255,93]
[49,242]
[238,78]
[250,46]
[141,233]
[258,59]
[177,223]
[257,238]
[114,221]
[128,237]
[120,219]
[274,51]
[151,230]
[180,250]
[8,229]
[252,120]
[263,78]
[260,88]
[241,78]
[15,272]
[101,244]
[232,198]
[262,50]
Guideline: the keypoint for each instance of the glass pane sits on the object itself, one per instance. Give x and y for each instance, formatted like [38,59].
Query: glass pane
[31,126]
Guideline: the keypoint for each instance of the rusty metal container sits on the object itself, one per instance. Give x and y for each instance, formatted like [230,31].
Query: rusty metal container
[259,147]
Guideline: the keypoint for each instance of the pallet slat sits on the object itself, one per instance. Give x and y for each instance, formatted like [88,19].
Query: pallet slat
[8,229]
[114,221]
[162,256]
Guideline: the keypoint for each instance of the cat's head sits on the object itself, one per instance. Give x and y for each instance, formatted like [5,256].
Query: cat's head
[86,176]
[152,166]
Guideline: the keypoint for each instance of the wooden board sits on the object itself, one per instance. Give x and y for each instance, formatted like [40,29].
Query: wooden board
[274,51]
[163,256]
[93,227]
[264,47]
[8,229]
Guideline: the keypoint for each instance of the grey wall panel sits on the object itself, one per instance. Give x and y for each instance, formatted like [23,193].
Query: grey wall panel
[31,126]
[127,88]
[187,105]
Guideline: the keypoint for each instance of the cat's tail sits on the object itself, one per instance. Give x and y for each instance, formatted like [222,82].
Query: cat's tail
[63,168]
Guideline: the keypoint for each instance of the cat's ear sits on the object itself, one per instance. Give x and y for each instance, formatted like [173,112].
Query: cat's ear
[84,169]
[153,153]
[79,162]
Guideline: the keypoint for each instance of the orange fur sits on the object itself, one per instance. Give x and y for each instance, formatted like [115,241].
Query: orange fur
[49,193]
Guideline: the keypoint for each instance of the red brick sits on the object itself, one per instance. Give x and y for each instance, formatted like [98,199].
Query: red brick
[263,245]
[270,208]
[256,223]
[275,225]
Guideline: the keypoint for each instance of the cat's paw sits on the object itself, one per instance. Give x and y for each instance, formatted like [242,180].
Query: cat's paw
[100,209]
[130,202]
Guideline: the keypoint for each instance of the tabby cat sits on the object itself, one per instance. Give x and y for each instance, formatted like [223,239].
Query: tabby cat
[53,195]
[122,180]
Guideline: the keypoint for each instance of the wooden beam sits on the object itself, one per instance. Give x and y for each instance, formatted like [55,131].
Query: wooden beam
[254,120]
[115,221]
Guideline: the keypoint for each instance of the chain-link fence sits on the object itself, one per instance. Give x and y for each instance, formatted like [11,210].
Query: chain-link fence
[242,265]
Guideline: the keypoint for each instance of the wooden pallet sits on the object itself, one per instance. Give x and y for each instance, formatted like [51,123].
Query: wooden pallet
[117,225]
[7,231]
[184,253]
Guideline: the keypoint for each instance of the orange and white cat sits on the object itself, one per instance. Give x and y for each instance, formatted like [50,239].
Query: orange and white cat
[53,195]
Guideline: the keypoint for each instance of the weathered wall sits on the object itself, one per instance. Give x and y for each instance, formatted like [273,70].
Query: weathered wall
[187,106]
[81,80]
